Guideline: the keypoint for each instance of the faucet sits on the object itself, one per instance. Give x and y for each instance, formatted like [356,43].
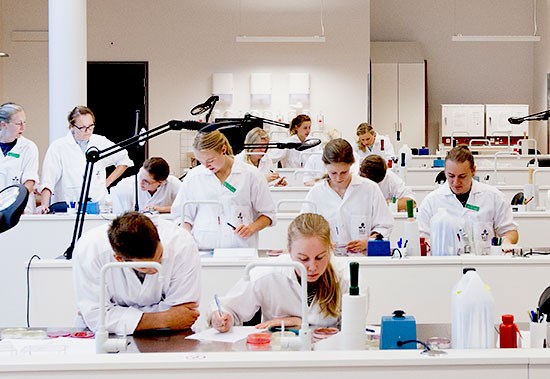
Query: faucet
[486,142]
[305,333]
[506,132]
[527,141]
[102,342]
[536,171]
[454,132]
[497,154]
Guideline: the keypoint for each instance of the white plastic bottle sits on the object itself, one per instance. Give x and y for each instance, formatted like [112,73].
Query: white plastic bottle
[444,233]
[472,313]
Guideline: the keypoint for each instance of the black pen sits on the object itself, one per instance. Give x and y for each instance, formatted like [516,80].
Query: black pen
[232,226]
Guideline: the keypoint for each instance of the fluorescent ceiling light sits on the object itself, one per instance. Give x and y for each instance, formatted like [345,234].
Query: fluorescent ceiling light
[280,39]
[461,38]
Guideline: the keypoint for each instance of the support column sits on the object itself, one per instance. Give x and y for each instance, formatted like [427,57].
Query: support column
[67,61]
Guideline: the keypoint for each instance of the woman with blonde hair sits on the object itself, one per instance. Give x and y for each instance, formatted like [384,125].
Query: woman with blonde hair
[19,155]
[238,202]
[276,290]
[300,127]
[257,157]
[370,142]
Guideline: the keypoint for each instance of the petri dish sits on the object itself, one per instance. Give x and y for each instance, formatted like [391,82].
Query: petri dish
[322,333]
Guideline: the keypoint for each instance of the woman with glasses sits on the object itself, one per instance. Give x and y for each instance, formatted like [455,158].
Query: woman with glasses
[155,191]
[19,155]
[65,161]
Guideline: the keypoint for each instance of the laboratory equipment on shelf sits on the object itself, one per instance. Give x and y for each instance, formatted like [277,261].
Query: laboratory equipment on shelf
[104,344]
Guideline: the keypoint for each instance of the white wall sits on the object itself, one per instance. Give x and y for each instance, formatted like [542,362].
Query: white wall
[464,72]
[186,41]
[542,67]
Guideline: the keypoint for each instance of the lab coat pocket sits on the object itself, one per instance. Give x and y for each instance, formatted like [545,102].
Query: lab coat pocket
[359,227]
[241,215]
[483,232]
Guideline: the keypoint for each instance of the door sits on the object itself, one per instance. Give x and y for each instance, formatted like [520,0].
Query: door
[116,90]
[412,104]
[385,99]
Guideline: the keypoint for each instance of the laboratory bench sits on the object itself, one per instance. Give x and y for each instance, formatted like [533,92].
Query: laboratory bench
[174,355]
[48,236]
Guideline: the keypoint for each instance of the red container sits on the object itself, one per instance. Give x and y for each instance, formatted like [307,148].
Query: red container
[508,332]
[424,247]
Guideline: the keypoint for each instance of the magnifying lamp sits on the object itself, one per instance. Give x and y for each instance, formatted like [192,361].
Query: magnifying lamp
[13,200]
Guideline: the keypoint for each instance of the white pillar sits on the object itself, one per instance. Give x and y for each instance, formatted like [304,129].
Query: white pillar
[67,61]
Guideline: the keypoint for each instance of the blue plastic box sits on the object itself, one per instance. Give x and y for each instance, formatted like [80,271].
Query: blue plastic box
[397,328]
[379,248]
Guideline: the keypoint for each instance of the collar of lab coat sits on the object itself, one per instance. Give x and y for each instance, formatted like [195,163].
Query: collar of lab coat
[476,188]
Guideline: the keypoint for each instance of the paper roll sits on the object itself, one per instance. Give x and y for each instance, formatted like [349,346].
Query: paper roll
[354,315]
[412,236]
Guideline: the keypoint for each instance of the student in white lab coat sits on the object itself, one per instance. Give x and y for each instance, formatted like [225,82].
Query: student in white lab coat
[65,161]
[156,191]
[354,206]
[299,130]
[257,157]
[244,204]
[19,155]
[370,142]
[374,167]
[466,198]
[136,299]
[276,290]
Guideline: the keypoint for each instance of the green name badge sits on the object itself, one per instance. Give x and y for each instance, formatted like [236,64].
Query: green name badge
[472,207]
[15,155]
[229,187]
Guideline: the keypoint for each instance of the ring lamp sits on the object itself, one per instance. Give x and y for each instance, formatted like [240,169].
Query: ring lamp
[13,200]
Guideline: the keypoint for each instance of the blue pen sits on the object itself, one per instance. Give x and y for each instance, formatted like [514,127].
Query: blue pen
[217,300]
[400,242]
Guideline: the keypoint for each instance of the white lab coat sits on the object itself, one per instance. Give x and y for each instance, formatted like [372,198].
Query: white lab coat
[123,194]
[360,213]
[290,158]
[376,148]
[392,185]
[64,166]
[277,292]
[265,166]
[20,165]
[250,200]
[315,164]
[127,298]
[493,217]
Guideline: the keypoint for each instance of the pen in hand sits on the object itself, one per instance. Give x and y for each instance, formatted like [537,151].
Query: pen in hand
[218,305]
[231,226]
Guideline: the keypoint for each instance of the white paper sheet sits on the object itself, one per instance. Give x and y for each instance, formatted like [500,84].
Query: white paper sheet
[237,333]
[245,252]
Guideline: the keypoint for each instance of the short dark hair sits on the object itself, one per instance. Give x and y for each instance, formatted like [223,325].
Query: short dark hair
[133,236]
[157,167]
[374,168]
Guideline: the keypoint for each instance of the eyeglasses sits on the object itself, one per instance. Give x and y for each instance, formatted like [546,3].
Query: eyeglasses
[85,128]
[20,123]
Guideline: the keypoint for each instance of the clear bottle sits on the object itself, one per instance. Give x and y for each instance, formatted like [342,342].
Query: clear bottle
[445,235]
[472,309]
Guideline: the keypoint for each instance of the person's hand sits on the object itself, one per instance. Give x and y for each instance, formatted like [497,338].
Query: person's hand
[245,231]
[273,176]
[289,322]
[281,182]
[357,246]
[42,209]
[182,316]
[222,323]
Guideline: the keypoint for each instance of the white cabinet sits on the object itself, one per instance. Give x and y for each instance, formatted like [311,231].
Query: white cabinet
[496,120]
[399,102]
[462,120]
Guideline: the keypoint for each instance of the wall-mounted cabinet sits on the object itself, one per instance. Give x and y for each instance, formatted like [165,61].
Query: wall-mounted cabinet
[462,120]
[398,102]
[496,120]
